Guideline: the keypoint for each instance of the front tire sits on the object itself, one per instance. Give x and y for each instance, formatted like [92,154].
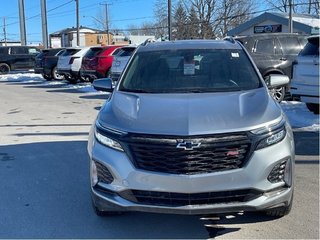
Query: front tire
[4,68]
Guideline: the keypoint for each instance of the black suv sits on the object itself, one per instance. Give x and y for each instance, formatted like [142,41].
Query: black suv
[46,63]
[273,54]
[17,58]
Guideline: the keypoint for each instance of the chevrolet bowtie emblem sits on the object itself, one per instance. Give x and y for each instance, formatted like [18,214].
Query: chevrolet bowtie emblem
[188,145]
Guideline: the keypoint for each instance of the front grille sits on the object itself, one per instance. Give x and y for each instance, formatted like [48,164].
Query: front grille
[183,199]
[214,153]
[103,174]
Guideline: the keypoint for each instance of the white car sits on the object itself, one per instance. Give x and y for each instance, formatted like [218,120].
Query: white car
[69,63]
[120,61]
[305,77]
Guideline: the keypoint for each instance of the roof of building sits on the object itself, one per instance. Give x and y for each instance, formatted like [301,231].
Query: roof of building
[82,29]
[303,22]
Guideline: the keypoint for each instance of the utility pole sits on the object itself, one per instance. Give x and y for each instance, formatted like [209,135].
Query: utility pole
[4,31]
[169,20]
[107,20]
[22,23]
[290,17]
[78,22]
[44,23]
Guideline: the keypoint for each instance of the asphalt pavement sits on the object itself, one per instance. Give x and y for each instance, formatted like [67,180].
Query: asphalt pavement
[44,190]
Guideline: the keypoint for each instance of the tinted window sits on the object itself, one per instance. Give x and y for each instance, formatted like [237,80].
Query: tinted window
[19,50]
[116,51]
[290,45]
[126,52]
[4,50]
[312,48]
[92,52]
[265,46]
[70,52]
[182,71]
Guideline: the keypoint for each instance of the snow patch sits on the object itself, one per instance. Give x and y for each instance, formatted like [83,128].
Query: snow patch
[300,117]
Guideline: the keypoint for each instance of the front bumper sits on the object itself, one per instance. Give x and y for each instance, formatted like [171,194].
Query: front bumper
[253,176]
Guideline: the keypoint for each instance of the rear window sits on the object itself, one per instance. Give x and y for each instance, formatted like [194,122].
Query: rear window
[92,52]
[290,45]
[124,52]
[70,52]
[312,48]
[182,71]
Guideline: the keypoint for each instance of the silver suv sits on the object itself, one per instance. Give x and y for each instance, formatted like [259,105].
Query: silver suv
[190,128]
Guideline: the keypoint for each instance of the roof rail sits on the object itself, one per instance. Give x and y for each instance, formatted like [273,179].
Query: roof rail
[146,42]
[229,39]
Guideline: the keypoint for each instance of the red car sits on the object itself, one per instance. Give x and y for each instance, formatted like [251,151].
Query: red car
[97,62]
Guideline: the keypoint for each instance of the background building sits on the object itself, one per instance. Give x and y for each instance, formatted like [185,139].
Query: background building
[277,22]
[88,37]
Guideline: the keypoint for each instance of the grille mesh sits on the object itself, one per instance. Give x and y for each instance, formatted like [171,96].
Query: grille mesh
[183,199]
[215,153]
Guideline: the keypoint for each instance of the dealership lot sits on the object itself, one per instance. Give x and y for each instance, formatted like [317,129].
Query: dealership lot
[45,183]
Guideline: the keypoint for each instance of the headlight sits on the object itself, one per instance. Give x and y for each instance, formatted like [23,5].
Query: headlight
[107,141]
[271,134]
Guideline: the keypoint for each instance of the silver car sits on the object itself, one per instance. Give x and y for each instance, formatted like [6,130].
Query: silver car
[190,128]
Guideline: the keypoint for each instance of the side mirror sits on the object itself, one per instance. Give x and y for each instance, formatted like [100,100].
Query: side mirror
[277,80]
[103,84]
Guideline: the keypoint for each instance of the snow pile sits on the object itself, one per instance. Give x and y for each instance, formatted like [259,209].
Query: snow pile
[22,77]
[299,116]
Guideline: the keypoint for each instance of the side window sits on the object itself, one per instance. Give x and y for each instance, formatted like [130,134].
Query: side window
[19,50]
[265,46]
[290,45]
[4,50]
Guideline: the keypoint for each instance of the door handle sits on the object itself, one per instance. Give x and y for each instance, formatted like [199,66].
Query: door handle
[283,59]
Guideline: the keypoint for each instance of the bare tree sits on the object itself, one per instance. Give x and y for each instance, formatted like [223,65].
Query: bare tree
[161,18]
[205,10]
[231,13]
[298,6]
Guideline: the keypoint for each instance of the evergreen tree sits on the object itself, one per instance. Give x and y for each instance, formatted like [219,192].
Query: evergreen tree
[180,22]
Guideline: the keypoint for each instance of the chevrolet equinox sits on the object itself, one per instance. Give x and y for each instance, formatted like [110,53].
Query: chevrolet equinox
[190,128]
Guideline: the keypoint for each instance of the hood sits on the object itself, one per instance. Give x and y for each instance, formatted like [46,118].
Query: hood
[189,114]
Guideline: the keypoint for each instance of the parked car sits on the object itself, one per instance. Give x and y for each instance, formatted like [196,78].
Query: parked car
[69,63]
[274,53]
[17,58]
[46,63]
[120,61]
[97,62]
[177,136]
[305,80]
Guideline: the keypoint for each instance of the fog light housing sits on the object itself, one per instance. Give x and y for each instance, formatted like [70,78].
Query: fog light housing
[103,174]
[288,173]
[281,172]
[93,173]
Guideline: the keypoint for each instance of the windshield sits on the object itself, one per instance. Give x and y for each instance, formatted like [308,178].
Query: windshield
[181,71]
